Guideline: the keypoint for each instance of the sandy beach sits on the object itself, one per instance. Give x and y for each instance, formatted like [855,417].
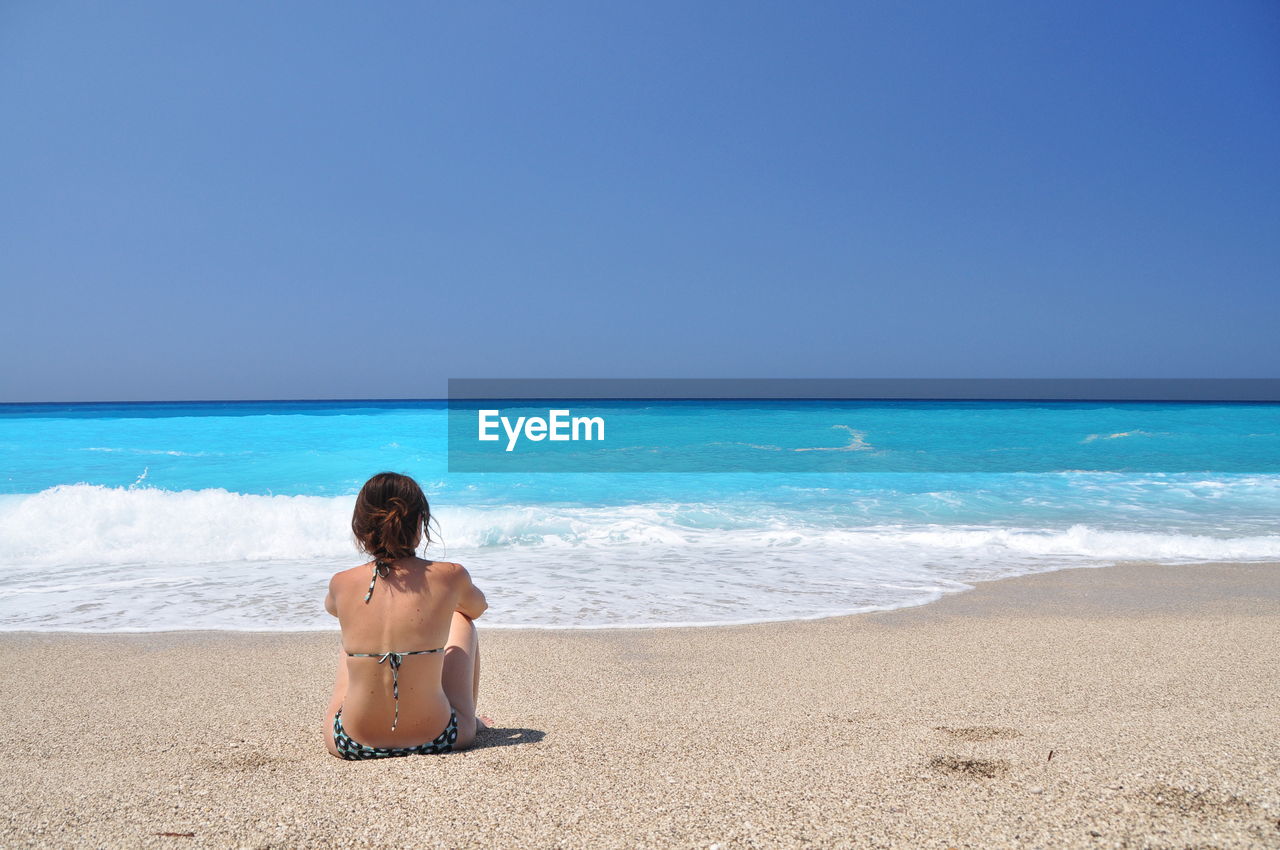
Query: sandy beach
[1129,706]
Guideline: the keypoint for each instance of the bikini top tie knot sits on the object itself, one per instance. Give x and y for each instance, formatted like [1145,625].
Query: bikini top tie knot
[380,568]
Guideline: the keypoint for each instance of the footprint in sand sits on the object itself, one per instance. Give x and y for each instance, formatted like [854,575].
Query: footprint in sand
[979,733]
[974,768]
[970,768]
[1196,802]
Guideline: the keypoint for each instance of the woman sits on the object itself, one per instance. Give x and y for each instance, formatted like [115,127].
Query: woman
[410,661]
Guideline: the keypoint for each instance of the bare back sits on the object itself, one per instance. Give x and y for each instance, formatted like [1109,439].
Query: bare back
[409,611]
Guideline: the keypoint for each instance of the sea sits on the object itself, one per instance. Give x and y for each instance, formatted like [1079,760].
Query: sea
[135,517]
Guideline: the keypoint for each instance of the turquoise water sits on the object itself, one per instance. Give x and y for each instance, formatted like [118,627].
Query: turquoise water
[233,515]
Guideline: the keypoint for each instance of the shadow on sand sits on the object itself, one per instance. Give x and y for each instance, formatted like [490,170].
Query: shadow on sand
[500,736]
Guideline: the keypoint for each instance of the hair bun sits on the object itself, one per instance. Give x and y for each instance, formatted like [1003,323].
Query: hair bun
[391,516]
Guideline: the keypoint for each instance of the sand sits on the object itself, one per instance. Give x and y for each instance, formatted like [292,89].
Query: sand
[1129,706]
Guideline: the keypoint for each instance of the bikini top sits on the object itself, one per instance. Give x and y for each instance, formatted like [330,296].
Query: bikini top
[383,568]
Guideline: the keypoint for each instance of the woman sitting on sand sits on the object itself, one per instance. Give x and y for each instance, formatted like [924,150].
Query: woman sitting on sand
[410,661]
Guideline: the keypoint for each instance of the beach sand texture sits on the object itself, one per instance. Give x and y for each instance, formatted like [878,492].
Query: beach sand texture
[1129,706]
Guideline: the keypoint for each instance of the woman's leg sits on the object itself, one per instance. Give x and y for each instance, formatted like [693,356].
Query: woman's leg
[462,676]
[335,702]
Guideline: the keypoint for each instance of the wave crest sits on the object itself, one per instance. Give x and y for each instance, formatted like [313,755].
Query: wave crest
[213,559]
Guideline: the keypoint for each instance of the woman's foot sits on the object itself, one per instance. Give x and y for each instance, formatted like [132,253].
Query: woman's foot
[483,723]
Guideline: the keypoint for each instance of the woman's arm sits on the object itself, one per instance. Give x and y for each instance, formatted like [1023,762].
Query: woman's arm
[328,600]
[471,602]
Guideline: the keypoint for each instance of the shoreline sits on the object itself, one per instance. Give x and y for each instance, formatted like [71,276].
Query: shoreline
[569,630]
[1080,707]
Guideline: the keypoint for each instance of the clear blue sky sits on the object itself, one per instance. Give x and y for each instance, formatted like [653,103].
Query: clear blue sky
[345,200]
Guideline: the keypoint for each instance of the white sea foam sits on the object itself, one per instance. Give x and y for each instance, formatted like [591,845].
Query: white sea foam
[1116,436]
[857,442]
[85,557]
[132,451]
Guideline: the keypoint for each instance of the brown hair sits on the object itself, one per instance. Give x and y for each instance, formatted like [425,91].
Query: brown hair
[390,512]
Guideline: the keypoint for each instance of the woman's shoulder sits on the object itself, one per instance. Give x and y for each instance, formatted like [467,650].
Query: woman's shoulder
[343,580]
[446,569]
[350,572]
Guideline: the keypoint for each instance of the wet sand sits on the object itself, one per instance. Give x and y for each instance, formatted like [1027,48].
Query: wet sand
[1130,706]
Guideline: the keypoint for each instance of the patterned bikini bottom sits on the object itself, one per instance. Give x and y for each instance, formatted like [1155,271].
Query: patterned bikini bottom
[349,749]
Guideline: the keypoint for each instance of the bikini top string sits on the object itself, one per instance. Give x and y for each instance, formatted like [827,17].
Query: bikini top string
[380,568]
[383,568]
